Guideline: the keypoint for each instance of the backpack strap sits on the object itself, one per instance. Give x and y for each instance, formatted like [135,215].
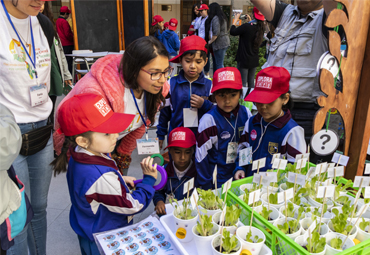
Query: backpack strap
[47,27]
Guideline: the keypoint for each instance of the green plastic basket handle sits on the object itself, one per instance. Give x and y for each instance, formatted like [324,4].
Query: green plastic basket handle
[158,156]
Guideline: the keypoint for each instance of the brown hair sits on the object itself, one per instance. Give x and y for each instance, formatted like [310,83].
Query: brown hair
[154,29]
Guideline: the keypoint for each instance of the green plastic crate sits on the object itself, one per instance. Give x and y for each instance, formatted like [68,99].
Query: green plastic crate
[278,242]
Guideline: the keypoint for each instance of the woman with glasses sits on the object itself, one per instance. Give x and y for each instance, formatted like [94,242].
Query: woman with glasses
[133,84]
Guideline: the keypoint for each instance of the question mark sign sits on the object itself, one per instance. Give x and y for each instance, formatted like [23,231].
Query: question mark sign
[326,141]
[332,59]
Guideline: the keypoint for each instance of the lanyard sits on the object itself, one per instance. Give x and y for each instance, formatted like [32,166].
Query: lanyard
[236,122]
[16,32]
[137,107]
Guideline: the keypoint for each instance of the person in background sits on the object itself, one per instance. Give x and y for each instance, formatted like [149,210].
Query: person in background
[220,129]
[171,41]
[165,26]
[180,169]
[250,39]
[190,89]
[196,18]
[272,130]
[203,10]
[60,74]
[217,35]
[65,34]
[157,27]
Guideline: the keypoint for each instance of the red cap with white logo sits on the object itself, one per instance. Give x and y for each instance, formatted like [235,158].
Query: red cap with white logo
[227,78]
[89,112]
[271,83]
[172,25]
[181,137]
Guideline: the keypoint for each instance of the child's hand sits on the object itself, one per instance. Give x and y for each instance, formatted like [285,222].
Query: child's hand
[160,144]
[148,168]
[239,175]
[129,180]
[196,101]
[160,208]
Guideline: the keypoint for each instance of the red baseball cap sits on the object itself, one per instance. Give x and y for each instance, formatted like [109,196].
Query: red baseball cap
[65,9]
[203,7]
[181,137]
[156,19]
[173,24]
[193,42]
[89,112]
[257,14]
[227,78]
[271,83]
[166,25]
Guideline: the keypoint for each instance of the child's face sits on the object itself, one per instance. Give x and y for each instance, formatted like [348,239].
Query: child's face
[181,157]
[161,24]
[272,110]
[193,65]
[101,143]
[227,101]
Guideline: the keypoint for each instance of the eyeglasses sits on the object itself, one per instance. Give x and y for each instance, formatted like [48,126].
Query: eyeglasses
[158,75]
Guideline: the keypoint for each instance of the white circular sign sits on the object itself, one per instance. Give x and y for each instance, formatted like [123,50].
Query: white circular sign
[324,142]
[328,62]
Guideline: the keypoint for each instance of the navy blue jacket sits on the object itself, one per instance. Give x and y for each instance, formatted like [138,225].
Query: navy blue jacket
[179,98]
[171,41]
[177,185]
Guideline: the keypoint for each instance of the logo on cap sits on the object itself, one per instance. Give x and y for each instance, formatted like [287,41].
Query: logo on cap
[264,82]
[178,136]
[173,24]
[103,107]
[253,134]
[226,76]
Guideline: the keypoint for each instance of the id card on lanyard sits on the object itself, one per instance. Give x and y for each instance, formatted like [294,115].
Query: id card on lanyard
[145,146]
[38,92]
[190,115]
[232,147]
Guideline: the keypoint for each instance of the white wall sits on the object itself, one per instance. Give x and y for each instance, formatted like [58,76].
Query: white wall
[167,15]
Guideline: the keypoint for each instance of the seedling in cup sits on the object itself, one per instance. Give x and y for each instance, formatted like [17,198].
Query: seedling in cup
[278,163]
[253,197]
[187,187]
[284,196]
[320,168]
[296,178]
[360,182]
[324,192]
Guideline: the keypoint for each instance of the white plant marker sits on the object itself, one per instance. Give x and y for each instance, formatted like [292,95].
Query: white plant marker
[215,179]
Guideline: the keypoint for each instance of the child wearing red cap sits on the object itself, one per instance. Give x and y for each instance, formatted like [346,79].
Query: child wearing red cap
[165,26]
[157,27]
[170,39]
[272,130]
[180,169]
[189,90]
[220,129]
[99,194]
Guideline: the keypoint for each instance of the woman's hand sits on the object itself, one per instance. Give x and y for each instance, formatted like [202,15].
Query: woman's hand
[148,168]
[68,82]
[129,180]
[239,175]
[160,208]
[196,101]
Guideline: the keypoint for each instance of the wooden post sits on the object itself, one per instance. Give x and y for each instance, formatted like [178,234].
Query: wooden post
[75,38]
[146,18]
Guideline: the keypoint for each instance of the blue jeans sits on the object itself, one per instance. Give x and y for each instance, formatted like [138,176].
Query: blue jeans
[87,247]
[35,172]
[218,58]
[247,75]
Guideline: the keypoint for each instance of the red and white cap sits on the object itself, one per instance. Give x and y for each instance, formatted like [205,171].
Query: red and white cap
[156,19]
[257,14]
[65,9]
[89,112]
[227,78]
[172,25]
[203,7]
[181,137]
[193,42]
[271,83]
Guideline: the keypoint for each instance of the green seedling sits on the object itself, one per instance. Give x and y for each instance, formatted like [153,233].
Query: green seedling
[317,213]
[273,198]
[204,227]
[232,215]
[228,243]
[316,244]
[340,224]
[265,213]
[342,200]
[246,197]
[255,239]
[364,224]
[185,213]
[297,197]
[208,200]
[336,243]
[293,225]
[366,200]
[342,187]
[290,210]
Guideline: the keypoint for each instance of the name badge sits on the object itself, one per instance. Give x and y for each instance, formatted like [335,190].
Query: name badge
[232,149]
[245,156]
[38,94]
[147,146]
[190,117]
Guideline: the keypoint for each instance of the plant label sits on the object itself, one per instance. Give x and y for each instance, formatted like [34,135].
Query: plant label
[310,172]
[254,196]
[343,159]
[364,208]
[289,193]
[194,198]
[271,176]
[245,156]
[215,174]
[276,156]
[223,213]
[321,193]
[331,165]
[291,177]
[301,163]
[367,192]
[232,150]
[280,163]
[357,181]
[328,182]
[321,168]
[190,117]
[301,179]
[227,185]
[339,171]
[367,168]
[188,185]
[258,164]
[256,178]
[312,226]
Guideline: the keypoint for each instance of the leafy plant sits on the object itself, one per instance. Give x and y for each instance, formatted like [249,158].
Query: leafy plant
[297,197]
[342,187]
[316,244]
[204,226]
[343,200]
[208,200]
[364,224]
[340,224]
[265,213]
[292,225]
[317,213]
[228,243]
[273,198]
[289,210]
[255,239]
[232,215]
[366,200]
[336,243]
[185,213]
